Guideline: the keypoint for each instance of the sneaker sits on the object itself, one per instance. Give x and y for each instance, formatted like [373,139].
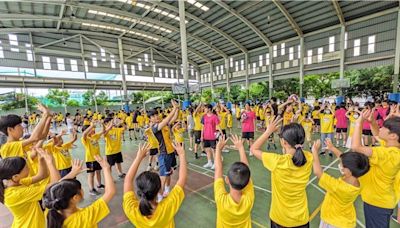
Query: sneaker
[337,144]
[394,218]
[196,156]
[330,154]
[208,165]
[225,150]
[190,149]
[94,192]
[268,147]
[275,147]
[101,186]
[121,176]
[156,168]
[203,154]
[212,167]
[251,154]
[148,168]
[322,153]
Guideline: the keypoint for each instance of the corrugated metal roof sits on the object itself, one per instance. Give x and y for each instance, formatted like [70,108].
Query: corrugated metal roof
[229,30]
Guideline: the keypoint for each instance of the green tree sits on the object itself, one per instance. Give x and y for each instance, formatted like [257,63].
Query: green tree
[320,85]
[20,103]
[258,90]
[57,97]
[73,103]
[88,97]
[101,98]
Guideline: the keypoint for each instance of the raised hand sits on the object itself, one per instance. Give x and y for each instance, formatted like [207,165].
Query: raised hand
[77,167]
[222,142]
[143,150]
[274,124]
[367,115]
[174,103]
[179,149]
[316,146]
[43,109]
[102,161]
[48,158]
[237,141]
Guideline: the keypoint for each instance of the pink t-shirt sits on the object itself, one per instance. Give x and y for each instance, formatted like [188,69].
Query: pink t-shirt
[341,118]
[248,121]
[383,113]
[210,126]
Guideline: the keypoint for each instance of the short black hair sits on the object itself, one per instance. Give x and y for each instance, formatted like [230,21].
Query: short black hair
[393,124]
[239,175]
[7,121]
[152,112]
[357,163]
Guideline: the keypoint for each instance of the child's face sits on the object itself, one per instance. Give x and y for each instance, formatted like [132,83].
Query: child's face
[16,132]
[386,135]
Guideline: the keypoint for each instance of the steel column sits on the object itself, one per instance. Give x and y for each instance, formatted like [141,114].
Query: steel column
[182,27]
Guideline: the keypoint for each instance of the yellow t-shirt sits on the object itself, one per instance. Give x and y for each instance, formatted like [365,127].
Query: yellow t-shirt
[88,216]
[129,122]
[222,120]
[327,122]
[307,125]
[178,135]
[267,120]
[140,120]
[261,113]
[146,120]
[86,123]
[151,139]
[289,205]
[23,202]
[164,214]
[287,117]
[229,120]
[230,213]
[89,113]
[197,121]
[352,124]
[377,186]
[61,154]
[12,149]
[338,206]
[315,114]
[113,140]
[237,109]
[91,145]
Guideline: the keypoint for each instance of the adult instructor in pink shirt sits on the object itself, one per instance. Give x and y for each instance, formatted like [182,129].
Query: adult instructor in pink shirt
[210,126]
[248,125]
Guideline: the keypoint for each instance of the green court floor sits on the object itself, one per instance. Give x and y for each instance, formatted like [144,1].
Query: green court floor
[198,209]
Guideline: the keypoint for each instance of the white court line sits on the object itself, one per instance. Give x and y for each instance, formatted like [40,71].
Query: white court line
[324,166]
[197,166]
[317,187]
[327,167]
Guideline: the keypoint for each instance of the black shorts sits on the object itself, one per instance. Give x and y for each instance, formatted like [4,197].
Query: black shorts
[114,158]
[276,225]
[317,122]
[64,172]
[247,135]
[341,130]
[367,132]
[92,166]
[258,118]
[238,118]
[153,151]
[224,132]
[131,129]
[197,137]
[210,143]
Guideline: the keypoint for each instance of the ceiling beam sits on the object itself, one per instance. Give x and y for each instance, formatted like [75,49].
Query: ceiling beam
[60,16]
[92,33]
[246,21]
[339,12]
[289,17]
[135,23]
[204,23]
[80,21]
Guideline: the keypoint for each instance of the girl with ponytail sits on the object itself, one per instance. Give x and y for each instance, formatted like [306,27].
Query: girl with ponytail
[144,210]
[62,200]
[23,199]
[290,173]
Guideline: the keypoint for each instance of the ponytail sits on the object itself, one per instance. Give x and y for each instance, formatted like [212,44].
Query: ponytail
[298,158]
[294,135]
[148,185]
[145,206]
[8,168]
[57,198]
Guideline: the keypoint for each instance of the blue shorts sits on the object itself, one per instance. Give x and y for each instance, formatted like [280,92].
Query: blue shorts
[166,162]
[64,172]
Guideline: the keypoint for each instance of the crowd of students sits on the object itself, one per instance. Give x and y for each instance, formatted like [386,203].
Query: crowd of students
[37,171]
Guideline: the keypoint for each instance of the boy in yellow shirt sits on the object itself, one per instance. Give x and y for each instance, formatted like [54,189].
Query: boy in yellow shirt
[327,119]
[129,125]
[178,131]
[61,153]
[229,121]
[90,141]
[154,147]
[113,138]
[379,192]
[233,207]
[338,206]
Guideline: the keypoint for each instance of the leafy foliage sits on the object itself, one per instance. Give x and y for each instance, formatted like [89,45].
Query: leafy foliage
[56,97]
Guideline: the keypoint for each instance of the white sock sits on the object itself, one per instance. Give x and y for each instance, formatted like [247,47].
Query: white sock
[166,189]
